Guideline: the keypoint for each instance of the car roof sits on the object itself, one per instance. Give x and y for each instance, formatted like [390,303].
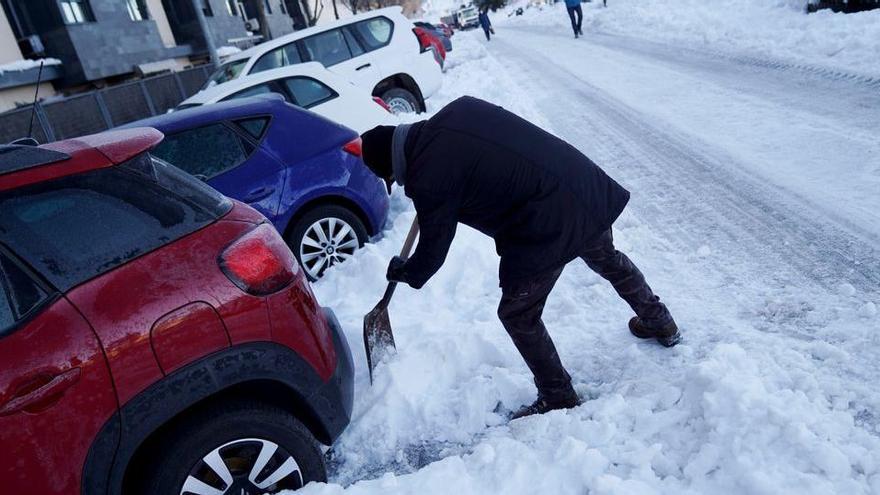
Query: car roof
[206,114]
[74,156]
[311,69]
[297,35]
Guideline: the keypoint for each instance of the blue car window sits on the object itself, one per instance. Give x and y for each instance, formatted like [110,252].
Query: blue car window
[205,151]
[255,127]
[309,92]
[329,48]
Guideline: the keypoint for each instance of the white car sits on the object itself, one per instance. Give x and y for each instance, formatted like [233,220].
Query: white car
[307,85]
[377,50]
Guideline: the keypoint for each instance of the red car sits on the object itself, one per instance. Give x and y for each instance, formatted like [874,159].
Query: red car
[428,41]
[155,336]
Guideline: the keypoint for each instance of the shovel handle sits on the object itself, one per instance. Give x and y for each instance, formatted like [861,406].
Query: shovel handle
[404,253]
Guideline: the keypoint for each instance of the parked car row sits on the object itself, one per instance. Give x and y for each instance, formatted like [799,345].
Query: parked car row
[156,337]
[379,51]
[158,332]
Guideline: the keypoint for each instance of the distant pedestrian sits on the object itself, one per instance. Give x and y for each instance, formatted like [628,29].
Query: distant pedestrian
[574,8]
[485,23]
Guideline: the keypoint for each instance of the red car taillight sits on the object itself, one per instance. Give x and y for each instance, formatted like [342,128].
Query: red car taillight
[259,262]
[381,103]
[353,147]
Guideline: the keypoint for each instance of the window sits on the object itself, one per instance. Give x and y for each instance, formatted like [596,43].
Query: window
[76,11]
[188,150]
[329,48]
[232,7]
[206,8]
[308,92]
[353,44]
[20,295]
[375,33]
[77,227]
[137,10]
[259,89]
[279,57]
[255,127]
[226,72]
[283,7]
[268,7]
[7,319]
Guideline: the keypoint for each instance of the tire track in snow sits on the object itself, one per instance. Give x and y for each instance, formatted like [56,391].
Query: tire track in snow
[765,240]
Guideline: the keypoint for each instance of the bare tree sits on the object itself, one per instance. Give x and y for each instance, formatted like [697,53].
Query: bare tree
[354,5]
[312,10]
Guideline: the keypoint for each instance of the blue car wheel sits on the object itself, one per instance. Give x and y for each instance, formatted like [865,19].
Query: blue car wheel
[324,237]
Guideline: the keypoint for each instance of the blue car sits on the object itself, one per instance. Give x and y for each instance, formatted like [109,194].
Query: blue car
[300,170]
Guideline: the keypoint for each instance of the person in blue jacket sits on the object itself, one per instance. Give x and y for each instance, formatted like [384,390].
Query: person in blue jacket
[485,23]
[574,7]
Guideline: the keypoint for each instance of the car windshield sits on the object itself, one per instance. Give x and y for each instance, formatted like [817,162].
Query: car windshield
[226,72]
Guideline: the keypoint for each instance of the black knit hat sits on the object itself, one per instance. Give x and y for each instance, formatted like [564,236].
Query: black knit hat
[376,149]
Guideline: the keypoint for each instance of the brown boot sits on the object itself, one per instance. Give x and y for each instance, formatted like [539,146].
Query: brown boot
[668,334]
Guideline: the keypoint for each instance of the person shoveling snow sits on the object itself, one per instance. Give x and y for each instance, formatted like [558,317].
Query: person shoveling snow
[543,202]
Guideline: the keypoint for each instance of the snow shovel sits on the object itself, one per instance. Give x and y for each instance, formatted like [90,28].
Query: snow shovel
[378,339]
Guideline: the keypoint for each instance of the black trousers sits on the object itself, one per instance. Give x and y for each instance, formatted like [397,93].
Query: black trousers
[576,25]
[486,31]
[522,304]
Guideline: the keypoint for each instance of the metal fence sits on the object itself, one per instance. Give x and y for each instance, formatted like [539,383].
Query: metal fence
[103,109]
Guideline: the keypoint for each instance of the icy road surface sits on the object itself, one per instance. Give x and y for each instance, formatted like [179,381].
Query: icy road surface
[755,215]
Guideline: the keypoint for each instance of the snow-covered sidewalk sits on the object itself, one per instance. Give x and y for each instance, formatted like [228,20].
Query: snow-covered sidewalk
[774,29]
[773,390]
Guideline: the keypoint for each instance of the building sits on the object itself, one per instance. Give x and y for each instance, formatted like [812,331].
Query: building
[95,43]
[17,77]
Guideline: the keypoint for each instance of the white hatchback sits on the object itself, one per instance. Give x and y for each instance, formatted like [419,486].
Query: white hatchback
[309,86]
[377,50]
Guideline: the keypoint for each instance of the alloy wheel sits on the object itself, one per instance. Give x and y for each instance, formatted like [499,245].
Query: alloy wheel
[326,242]
[248,466]
[400,105]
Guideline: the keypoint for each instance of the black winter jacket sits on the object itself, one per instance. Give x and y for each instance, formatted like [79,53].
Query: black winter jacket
[541,199]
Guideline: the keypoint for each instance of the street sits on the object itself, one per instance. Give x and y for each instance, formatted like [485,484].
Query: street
[755,217]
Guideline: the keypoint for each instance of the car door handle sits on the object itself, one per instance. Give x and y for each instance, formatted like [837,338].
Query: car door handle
[363,66]
[51,389]
[258,194]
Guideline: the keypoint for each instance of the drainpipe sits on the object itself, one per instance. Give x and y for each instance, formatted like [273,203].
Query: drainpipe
[206,32]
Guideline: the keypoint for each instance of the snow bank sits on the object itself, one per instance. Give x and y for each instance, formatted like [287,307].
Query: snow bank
[21,65]
[747,404]
[777,29]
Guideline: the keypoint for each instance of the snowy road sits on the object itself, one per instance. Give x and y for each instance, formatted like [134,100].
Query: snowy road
[755,215]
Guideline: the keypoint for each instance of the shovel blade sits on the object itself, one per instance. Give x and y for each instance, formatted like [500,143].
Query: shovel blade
[378,339]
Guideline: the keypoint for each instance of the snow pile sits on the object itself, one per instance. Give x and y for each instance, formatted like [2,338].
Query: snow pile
[22,65]
[761,397]
[779,29]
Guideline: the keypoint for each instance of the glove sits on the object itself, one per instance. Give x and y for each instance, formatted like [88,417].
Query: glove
[396,272]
